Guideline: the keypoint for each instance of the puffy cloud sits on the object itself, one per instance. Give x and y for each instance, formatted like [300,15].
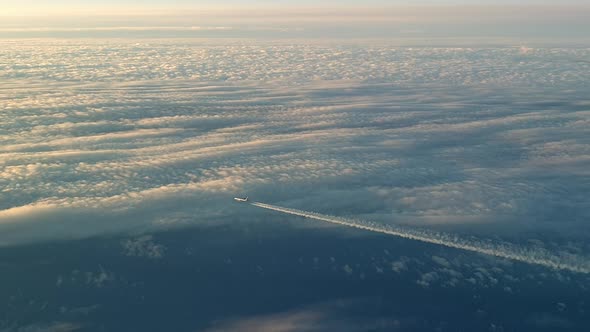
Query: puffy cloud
[427,279]
[143,246]
[441,261]
[399,266]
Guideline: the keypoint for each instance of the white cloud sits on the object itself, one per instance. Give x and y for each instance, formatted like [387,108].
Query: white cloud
[441,261]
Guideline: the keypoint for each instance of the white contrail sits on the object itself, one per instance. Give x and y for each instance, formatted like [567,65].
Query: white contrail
[538,256]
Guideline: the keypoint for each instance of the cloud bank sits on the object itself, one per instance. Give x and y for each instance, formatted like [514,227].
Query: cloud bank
[107,138]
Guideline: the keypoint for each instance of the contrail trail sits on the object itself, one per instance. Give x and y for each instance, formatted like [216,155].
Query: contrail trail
[537,256]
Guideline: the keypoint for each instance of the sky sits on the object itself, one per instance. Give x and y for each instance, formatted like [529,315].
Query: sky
[564,22]
[43,7]
[195,3]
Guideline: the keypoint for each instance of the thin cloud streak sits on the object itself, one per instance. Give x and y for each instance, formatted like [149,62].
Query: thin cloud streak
[508,251]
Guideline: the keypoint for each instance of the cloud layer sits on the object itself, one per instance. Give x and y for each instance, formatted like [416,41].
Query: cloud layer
[99,138]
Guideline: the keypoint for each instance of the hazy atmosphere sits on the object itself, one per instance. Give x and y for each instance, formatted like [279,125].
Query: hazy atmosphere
[399,166]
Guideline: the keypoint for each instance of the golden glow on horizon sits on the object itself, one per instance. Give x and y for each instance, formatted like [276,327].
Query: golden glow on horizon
[17,19]
[24,10]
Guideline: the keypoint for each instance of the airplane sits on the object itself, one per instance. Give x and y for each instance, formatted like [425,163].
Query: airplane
[240,199]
